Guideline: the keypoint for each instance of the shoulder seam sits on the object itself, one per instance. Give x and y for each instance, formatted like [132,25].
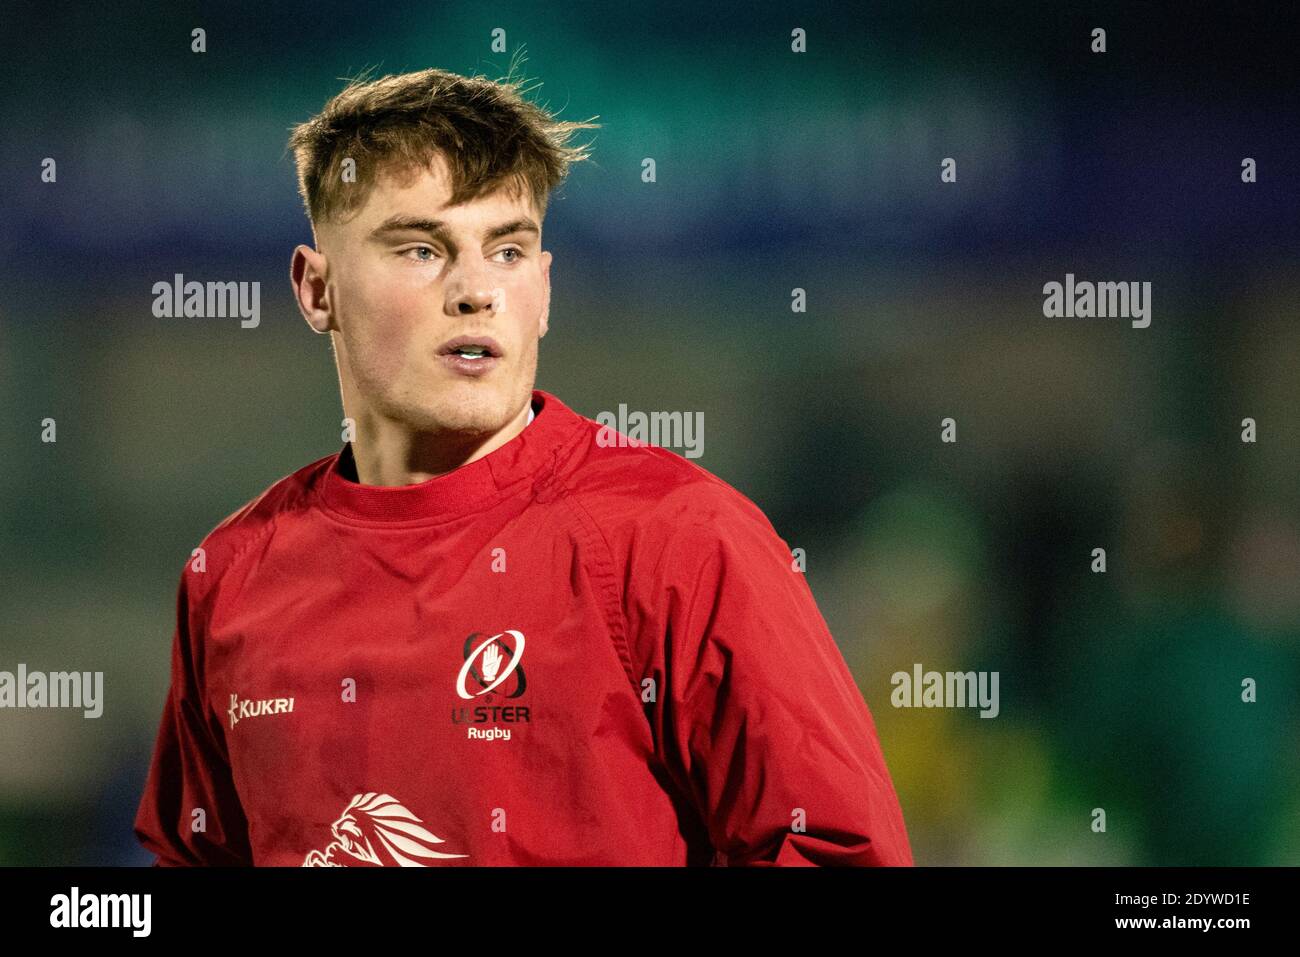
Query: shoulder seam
[200,599]
[236,556]
[618,632]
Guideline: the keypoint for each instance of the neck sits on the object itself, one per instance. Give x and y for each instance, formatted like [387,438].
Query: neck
[389,454]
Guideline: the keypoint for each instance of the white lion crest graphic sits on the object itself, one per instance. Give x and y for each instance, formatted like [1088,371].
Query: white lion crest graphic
[372,823]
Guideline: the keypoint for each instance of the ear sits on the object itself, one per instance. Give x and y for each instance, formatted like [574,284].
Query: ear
[546,282]
[308,273]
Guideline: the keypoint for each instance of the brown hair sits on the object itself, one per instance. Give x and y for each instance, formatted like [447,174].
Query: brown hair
[490,135]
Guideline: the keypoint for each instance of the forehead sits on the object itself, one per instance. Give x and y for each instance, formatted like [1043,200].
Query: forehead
[425,192]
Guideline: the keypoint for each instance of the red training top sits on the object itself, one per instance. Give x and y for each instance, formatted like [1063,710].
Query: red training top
[572,651]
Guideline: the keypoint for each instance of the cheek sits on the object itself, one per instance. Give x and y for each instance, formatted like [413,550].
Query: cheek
[386,320]
[522,301]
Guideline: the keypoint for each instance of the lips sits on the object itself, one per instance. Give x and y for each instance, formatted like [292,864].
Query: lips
[490,346]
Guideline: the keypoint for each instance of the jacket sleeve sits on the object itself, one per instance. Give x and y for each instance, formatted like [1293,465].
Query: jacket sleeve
[757,718]
[190,770]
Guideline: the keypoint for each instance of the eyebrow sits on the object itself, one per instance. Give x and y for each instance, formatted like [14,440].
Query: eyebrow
[438,228]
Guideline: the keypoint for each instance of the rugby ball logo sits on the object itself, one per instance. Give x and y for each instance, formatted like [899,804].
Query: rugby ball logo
[490,663]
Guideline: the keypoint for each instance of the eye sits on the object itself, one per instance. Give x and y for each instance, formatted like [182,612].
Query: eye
[519,253]
[419,253]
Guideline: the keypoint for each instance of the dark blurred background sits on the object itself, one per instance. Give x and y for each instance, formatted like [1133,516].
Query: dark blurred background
[776,170]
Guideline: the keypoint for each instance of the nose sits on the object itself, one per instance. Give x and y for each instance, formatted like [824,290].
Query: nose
[470,290]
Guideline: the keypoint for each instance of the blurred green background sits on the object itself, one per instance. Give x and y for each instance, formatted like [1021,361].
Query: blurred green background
[776,170]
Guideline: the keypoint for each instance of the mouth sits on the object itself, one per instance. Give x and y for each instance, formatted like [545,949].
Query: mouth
[471,348]
[470,356]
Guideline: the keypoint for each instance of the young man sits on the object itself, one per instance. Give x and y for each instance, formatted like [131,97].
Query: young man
[486,632]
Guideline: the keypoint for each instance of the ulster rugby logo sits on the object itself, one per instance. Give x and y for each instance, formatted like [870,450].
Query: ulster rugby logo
[375,830]
[497,661]
[491,668]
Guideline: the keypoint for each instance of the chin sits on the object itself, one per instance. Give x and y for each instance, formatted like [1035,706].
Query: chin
[469,412]
[469,408]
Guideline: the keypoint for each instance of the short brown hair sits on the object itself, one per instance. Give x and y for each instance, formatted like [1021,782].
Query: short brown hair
[490,135]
